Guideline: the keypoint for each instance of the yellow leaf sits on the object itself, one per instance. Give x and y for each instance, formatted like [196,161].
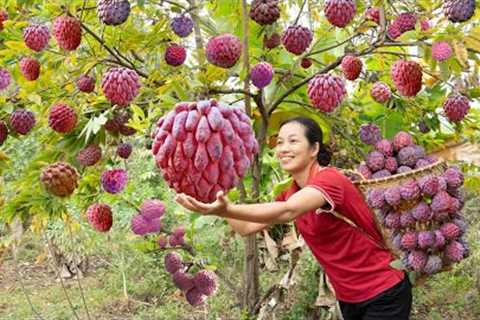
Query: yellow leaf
[472,43]
[461,52]
[16,45]
[38,223]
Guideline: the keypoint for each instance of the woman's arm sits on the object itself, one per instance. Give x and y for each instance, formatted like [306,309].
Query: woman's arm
[302,201]
[245,228]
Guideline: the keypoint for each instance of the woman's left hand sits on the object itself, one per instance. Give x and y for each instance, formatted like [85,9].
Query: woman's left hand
[219,207]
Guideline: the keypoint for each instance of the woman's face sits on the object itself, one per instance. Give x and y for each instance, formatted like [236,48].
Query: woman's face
[293,150]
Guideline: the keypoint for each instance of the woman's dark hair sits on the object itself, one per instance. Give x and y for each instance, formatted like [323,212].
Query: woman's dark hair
[314,134]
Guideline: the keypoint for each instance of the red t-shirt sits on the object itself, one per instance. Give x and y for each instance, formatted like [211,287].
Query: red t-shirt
[358,267]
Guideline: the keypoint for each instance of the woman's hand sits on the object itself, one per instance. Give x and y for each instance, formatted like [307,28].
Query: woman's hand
[218,208]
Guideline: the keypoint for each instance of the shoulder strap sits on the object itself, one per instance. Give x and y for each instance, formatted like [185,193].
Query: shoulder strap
[385,245]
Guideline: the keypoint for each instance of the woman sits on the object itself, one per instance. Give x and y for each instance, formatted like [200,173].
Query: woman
[353,254]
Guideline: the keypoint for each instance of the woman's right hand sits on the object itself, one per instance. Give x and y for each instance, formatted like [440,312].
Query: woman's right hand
[219,207]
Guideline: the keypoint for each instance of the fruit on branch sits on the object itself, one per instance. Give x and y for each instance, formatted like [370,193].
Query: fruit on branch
[407,77]
[340,12]
[114,181]
[183,280]
[86,83]
[152,209]
[195,297]
[264,12]
[118,124]
[373,14]
[3,18]
[59,179]
[380,92]
[30,68]
[296,39]
[326,91]
[441,50]
[120,85]
[306,63]
[89,155]
[5,78]
[456,107]
[162,242]
[206,282]
[261,74]
[351,67]
[370,133]
[403,23]
[424,25]
[141,226]
[175,55]
[459,10]
[124,150]
[203,147]
[113,12]
[182,25]
[272,41]
[173,262]
[3,132]
[68,32]
[223,50]
[62,118]
[22,121]
[36,36]
[99,216]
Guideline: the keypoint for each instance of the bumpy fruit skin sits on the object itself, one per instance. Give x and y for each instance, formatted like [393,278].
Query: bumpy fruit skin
[86,83]
[407,156]
[68,32]
[369,133]
[409,240]
[351,66]
[421,163]
[340,12]
[296,39]
[152,209]
[380,92]
[407,219]
[90,155]
[113,12]
[182,25]
[450,231]
[421,212]
[62,118]
[417,260]
[175,55]
[403,23]
[206,282]
[223,50]
[195,297]
[373,14]
[410,190]
[393,196]
[173,262]
[439,239]
[454,177]
[459,10]
[456,107]
[407,77]
[182,280]
[3,132]
[59,179]
[392,220]
[113,181]
[391,165]
[403,169]
[401,139]
[100,217]
[22,121]
[142,226]
[118,124]
[203,147]
[424,25]
[162,242]
[124,150]
[261,74]
[120,85]
[375,161]
[455,251]
[433,265]
[36,36]
[365,171]
[30,68]
[326,92]
[381,174]
[306,63]
[441,202]
[385,147]
[3,17]
[429,185]
[426,239]
[272,41]
[264,12]
[441,50]
[376,198]
[5,79]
